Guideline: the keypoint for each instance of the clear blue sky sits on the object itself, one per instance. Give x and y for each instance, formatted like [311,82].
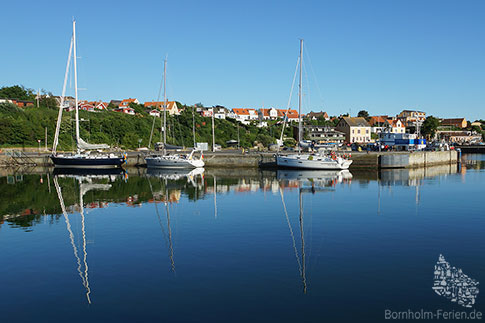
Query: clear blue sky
[383,56]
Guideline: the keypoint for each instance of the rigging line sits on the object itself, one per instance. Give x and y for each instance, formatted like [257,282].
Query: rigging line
[308,96]
[289,101]
[314,75]
[68,226]
[291,233]
[170,237]
[158,214]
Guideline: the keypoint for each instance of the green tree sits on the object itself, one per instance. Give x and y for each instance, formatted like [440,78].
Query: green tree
[430,125]
[17,92]
[363,114]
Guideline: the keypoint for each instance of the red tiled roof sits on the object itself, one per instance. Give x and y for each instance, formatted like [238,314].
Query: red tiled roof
[242,111]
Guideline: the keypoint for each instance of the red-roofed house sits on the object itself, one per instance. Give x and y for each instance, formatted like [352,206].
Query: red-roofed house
[126,110]
[378,121]
[171,106]
[268,114]
[292,114]
[315,115]
[126,102]
[245,115]
[86,106]
[154,113]
[394,126]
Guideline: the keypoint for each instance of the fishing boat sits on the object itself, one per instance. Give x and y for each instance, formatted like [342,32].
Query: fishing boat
[87,155]
[165,160]
[320,161]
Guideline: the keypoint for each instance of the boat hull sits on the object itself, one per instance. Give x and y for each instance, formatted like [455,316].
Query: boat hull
[87,162]
[305,163]
[163,162]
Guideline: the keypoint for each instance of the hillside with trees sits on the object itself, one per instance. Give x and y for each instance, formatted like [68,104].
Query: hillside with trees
[22,127]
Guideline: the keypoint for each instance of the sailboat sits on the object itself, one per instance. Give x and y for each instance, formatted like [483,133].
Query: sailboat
[83,157]
[308,161]
[171,161]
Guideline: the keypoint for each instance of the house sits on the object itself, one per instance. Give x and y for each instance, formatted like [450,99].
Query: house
[22,103]
[457,122]
[394,126]
[126,102]
[268,114]
[115,103]
[290,114]
[85,106]
[154,113]
[126,110]
[316,115]
[410,118]
[220,112]
[171,107]
[100,105]
[377,123]
[356,129]
[476,124]
[206,112]
[324,134]
[245,115]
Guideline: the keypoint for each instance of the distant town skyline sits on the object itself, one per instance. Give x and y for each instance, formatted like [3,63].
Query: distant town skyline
[378,56]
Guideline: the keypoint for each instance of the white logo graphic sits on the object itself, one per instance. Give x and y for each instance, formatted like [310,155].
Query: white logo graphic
[452,283]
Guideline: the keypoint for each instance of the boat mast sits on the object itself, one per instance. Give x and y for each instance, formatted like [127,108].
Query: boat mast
[300,132]
[75,83]
[61,107]
[164,103]
[213,133]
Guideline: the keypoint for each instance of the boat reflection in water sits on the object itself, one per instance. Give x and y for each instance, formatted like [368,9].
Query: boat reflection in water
[86,183]
[319,181]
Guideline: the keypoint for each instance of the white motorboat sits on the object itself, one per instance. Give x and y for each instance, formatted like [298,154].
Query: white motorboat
[175,161]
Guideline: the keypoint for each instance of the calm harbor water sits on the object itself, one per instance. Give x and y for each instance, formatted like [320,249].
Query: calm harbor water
[237,245]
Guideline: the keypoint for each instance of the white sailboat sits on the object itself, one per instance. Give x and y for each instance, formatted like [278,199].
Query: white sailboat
[171,161]
[83,157]
[309,161]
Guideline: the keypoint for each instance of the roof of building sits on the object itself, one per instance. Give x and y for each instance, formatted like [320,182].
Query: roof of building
[312,114]
[128,101]
[378,119]
[243,111]
[394,123]
[412,111]
[453,121]
[356,121]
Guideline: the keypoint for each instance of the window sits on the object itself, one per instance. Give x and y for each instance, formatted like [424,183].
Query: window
[367,131]
[358,131]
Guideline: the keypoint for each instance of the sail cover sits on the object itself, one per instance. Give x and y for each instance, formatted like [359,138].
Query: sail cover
[87,146]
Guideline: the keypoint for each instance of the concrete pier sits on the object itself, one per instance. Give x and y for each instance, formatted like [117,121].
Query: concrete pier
[232,159]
